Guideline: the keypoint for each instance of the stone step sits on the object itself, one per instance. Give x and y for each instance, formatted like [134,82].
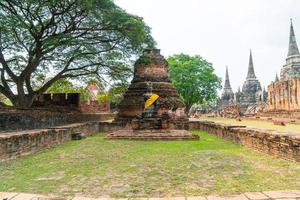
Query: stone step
[266,195]
[151,138]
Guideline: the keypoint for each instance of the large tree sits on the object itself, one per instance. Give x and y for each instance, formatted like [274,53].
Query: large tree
[194,79]
[42,41]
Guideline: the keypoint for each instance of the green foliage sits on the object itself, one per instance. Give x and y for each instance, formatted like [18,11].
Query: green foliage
[2,97]
[4,100]
[7,102]
[114,94]
[144,59]
[194,79]
[68,39]
[103,97]
[62,86]
[66,86]
[84,93]
[117,91]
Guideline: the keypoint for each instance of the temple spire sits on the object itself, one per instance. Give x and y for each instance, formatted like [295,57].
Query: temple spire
[227,81]
[293,48]
[276,78]
[251,74]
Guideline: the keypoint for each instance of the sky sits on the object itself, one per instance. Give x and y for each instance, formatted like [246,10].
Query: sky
[223,32]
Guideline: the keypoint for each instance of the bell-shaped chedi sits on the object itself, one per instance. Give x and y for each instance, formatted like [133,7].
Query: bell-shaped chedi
[291,70]
[151,108]
[150,67]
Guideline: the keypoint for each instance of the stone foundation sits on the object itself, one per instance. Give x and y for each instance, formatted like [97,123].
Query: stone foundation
[284,145]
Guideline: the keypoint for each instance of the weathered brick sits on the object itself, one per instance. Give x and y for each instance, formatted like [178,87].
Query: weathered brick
[281,144]
[14,144]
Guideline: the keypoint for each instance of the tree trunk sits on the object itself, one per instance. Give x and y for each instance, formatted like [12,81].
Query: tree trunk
[23,102]
[187,109]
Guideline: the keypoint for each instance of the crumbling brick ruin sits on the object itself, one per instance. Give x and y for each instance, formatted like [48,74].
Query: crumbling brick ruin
[283,94]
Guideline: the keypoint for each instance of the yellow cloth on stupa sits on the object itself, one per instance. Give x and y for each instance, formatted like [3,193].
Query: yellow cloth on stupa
[151,100]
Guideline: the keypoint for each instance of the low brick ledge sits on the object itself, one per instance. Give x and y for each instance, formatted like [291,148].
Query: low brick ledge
[266,195]
[17,143]
[282,144]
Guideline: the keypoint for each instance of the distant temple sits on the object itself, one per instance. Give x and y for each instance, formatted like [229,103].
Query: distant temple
[284,94]
[250,96]
[227,96]
[291,69]
[251,93]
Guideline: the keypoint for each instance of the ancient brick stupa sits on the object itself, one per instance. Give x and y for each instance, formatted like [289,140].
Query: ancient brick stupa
[151,108]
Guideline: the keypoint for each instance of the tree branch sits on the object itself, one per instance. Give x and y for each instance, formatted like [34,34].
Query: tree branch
[6,67]
[55,78]
[19,39]
[4,82]
[5,92]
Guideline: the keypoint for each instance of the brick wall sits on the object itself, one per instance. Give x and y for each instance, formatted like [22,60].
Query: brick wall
[32,119]
[284,95]
[280,114]
[94,107]
[15,144]
[284,145]
[58,99]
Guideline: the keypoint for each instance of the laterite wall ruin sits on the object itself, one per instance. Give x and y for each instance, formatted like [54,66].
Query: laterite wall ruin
[284,95]
[284,145]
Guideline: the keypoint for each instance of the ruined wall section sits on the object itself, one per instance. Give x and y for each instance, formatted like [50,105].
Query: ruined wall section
[280,144]
[284,95]
[94,106]
[31,119]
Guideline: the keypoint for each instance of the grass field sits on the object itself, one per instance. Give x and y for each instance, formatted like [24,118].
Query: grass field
[98,167]
[255,123]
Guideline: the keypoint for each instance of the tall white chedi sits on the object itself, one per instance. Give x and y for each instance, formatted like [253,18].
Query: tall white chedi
[291,69]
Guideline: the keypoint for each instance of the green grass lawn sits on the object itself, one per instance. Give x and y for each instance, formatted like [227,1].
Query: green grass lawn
[255,123]
[98,167]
